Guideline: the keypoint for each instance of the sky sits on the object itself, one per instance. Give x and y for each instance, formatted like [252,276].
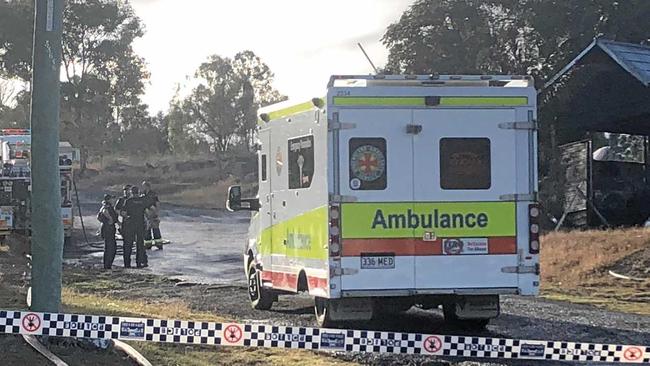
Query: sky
[302,41]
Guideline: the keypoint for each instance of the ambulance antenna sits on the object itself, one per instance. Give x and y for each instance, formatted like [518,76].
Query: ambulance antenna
[368,58]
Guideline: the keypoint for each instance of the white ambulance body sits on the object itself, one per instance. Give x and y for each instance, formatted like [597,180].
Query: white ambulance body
[398,191]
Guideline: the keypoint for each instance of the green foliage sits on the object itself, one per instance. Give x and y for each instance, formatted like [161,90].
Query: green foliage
[104,76]
[16,115]
[16,22]
[535,37]
[620,147]
[16,30]
[447,36]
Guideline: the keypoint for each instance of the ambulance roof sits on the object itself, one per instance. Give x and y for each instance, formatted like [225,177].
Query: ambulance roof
[508,81]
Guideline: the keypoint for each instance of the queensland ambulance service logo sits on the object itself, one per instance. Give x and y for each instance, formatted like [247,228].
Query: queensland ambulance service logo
[368,163]
[279,161]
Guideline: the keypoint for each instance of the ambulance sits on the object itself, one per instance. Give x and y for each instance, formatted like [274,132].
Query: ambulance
[394,192]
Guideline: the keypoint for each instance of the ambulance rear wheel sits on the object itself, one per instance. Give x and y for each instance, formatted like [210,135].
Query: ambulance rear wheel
[321,308]
[261,298]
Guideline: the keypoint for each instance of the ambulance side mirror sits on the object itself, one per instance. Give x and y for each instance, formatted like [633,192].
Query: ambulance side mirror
[234,198]
[236,203]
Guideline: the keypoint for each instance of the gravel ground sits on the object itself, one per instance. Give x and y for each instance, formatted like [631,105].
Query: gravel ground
[522,318]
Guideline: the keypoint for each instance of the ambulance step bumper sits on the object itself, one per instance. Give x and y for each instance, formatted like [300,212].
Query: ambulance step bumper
[414,292]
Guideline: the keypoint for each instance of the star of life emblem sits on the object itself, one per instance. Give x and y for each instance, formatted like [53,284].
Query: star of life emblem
[368,163]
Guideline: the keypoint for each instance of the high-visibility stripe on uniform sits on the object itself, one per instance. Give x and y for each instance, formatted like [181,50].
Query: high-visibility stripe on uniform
[421,101]
[417,247]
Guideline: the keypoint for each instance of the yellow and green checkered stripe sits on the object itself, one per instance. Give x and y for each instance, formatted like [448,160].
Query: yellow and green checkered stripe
[303,236]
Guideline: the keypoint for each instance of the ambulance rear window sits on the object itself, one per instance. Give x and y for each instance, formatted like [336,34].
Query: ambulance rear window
[301,162]
[368,164]
[465,163]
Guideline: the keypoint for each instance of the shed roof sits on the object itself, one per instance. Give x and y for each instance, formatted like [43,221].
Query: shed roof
[633,58]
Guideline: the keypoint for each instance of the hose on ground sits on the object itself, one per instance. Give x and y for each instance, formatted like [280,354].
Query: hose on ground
[81,217]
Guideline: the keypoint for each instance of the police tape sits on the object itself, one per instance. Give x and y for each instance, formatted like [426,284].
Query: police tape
[333,340]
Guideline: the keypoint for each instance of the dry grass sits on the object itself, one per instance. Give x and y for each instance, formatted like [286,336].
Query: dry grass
[629,298]
[574,268]
[200,181]
[74,301]
[209,196]
[572,258]
[172,355]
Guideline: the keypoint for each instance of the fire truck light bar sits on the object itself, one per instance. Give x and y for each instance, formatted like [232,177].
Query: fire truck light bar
[15,131]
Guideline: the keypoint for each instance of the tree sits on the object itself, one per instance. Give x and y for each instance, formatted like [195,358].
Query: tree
[14,111]
[103,75]
[16,36]
[16,29]
[535,37]
[145,135]
[222,107]
[258,91]
[437,35]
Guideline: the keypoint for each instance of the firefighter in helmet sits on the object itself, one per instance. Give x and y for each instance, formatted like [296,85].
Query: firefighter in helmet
[152,234]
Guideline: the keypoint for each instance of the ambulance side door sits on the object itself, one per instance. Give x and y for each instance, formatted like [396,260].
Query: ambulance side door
[265,192]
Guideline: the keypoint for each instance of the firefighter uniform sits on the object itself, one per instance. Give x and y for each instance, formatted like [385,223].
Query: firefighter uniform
[108,217]
[152,234]
[135,207]
[126,228]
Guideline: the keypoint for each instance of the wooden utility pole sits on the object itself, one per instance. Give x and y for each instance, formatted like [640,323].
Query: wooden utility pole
[47,228]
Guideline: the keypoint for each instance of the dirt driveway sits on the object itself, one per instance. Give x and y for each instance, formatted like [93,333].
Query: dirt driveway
[206,245]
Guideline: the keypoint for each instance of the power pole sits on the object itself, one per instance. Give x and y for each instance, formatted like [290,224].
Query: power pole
[47,228]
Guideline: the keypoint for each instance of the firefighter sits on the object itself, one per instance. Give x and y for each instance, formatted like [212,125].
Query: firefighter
[152,234]
[135,207]
[126,228]
[108,217]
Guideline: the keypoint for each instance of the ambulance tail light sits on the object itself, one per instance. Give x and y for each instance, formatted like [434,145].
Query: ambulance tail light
[335,231]
[533,222]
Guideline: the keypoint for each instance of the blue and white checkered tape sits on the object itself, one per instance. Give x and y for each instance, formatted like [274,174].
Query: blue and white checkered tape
[334,340]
